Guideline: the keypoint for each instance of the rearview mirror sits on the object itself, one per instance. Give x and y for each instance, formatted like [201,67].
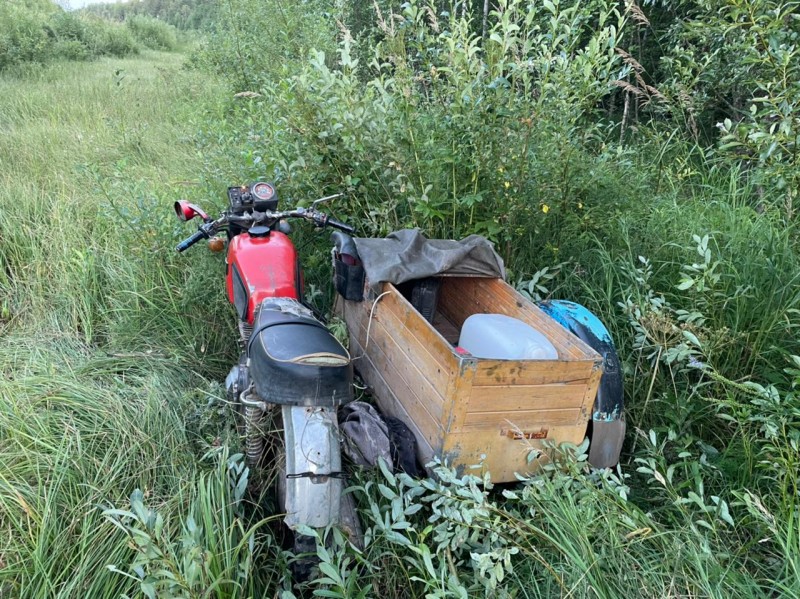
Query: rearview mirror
[186,211]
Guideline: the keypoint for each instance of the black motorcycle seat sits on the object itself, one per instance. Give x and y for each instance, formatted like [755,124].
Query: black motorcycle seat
[295,360]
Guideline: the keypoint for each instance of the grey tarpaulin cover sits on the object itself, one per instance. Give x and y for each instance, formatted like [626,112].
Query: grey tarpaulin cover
[407,254]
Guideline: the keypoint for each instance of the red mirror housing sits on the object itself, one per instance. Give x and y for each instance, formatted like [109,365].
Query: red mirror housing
[186,211]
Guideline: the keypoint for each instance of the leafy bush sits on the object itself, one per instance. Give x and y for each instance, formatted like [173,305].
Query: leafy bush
[36,35]
[22,37]
[153,33]
[448,132]
[260,42]
[112,39]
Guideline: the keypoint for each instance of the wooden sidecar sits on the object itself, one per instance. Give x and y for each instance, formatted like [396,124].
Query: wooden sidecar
[464,410]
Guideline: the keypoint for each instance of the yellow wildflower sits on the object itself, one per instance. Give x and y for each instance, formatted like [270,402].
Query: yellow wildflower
[545,208]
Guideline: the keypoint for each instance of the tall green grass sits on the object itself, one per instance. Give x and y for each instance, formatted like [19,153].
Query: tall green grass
[108,340]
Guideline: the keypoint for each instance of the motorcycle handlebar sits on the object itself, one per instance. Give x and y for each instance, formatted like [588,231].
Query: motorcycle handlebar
[340,225]
[320,219]
[208,229]
[190,241]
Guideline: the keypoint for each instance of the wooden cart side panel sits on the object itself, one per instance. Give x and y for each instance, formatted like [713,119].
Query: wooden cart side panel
[461,298]
[501,455]
[428,339]
[400,372]
[407,355]
[393,396]
[429,436]
[533,372]
[457,370]
[525,401]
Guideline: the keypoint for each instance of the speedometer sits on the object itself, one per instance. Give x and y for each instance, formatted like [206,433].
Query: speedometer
[262,192]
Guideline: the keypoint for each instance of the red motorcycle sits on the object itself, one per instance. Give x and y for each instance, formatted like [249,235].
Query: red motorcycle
[289,361]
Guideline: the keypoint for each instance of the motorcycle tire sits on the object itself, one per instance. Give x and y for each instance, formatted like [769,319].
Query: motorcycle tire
[304,546]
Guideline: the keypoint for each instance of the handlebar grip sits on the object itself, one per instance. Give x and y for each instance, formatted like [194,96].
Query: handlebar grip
[190,241]
[331,222]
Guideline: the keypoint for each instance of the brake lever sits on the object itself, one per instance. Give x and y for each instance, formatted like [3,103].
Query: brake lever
[325,199]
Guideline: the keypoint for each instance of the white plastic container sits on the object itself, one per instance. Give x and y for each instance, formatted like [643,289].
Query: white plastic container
[500,337]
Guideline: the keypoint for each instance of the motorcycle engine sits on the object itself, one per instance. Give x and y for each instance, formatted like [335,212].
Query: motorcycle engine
[238,380]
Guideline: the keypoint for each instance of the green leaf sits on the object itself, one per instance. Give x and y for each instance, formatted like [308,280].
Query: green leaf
[386,491]
[330,572]
[692,338]
[149,589]
[426,558]
[387,473]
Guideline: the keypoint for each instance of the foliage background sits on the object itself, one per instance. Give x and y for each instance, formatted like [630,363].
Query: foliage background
[639,159]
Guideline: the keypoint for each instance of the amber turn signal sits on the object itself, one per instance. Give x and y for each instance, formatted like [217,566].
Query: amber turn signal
[216,244]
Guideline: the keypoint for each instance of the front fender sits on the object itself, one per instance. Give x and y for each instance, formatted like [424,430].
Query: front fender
[313,466]
[608,417]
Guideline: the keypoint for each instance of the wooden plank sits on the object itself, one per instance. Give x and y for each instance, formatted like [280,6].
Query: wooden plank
[457,395]
[591,388]
[421,400]
[522,419]
[407,316]
[512,398]
[501,455]
[532,372]
[426,431]
[411,358]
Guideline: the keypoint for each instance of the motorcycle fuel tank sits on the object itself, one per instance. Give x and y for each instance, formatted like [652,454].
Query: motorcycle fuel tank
[261,264]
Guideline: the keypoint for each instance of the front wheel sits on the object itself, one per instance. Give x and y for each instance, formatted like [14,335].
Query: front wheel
[305,546]
[310,486]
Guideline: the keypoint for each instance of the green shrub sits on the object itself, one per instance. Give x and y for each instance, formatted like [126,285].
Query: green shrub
[153,33]
[70,50]
[250,58]
[40,33]
[22,37]
[113,39]
[449,132]
[67,26]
